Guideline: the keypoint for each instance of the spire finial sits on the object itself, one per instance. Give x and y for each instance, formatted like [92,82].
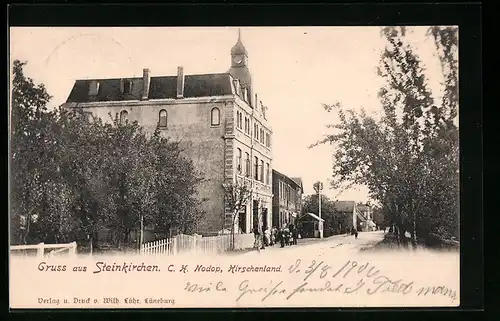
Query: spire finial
[238,48]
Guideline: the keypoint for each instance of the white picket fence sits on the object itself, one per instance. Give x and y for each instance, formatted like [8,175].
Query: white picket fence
[163,247]
[40,249]
[197,244]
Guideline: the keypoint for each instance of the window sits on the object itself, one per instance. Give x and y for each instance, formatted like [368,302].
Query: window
[242,220]
[162,118]
[262,171]
[267,173]
[240,120]
[127,86]
[261,136]
[238,161]
[93,88]
[215,117]
[267,140]
[256,170]
[236,86]
[247,164]
[256,131]
[247,125]
[123,117]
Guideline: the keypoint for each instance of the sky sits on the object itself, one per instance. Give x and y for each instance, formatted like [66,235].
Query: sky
[294,71]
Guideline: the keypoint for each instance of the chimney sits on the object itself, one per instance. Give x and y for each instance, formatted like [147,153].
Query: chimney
[146,79]
[180,82]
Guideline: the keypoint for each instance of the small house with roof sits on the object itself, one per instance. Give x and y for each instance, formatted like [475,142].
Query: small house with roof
[310,225]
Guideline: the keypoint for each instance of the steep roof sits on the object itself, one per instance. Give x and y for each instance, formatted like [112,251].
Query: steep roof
[205,85]
[344,206]
[290,180]
[298,180]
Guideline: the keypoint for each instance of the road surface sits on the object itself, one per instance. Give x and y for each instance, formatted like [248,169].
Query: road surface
[332,245]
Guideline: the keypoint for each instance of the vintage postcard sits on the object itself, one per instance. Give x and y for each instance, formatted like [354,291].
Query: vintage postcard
[226,167]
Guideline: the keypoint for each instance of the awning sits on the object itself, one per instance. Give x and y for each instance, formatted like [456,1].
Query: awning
[316,217]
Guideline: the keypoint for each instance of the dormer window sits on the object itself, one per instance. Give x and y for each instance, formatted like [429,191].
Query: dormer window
[93,88]
[237,87]
[244,93]
[127,86]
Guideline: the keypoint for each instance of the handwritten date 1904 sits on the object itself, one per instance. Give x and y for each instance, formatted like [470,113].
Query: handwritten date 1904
[366,270]
[324,270]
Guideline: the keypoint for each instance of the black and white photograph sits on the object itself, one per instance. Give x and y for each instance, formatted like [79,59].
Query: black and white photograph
[244,166]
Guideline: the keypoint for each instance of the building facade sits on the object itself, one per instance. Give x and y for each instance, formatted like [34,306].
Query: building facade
[287,199]
[218,120]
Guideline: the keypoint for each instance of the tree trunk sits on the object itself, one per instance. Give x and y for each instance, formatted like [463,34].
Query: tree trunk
[91,241]
[232,232]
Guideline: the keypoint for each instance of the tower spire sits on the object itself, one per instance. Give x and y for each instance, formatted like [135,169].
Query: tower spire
[238,48]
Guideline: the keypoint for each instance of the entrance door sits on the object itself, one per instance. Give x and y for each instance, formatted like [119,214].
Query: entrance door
[242,221]
[255,214]
[264,219]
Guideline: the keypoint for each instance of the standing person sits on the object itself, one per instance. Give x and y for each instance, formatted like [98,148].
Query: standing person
[286,235]
[290,235]
[267,235]
[282,236]
[256,238]
[293,230]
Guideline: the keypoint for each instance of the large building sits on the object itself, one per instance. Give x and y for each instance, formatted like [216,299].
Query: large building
[287,199]
[218,119]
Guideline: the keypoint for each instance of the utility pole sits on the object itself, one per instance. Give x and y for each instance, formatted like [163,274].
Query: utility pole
[318,187]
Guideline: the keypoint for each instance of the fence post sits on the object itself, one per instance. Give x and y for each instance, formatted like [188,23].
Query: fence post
[173,244]
[195,239]
[40,249]
[73,248]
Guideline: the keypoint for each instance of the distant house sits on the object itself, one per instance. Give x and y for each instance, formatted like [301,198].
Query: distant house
[366,213]
[311,225]
[351,215]
[287,198]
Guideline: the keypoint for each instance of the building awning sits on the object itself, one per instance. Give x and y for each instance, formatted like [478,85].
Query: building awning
[316,217]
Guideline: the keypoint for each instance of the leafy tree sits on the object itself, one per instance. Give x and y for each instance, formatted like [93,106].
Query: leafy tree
[75,175]
[409,157]
[237,195]
[28,124]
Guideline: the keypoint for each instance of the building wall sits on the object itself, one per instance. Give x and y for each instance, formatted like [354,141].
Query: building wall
[188,121]
[245,141]
[287,200]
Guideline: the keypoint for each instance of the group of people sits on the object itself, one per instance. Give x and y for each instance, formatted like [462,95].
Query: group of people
[285,236]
